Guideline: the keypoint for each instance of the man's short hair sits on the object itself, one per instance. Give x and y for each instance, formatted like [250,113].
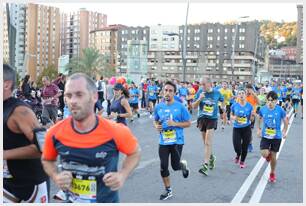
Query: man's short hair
[273,95]
[172,84]
[9,74]
[91,86]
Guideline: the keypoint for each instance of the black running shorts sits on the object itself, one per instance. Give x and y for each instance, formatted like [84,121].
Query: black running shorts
[270,144]
[205,124]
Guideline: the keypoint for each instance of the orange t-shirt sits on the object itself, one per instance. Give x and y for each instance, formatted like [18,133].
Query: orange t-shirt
[251,99]
[64,135]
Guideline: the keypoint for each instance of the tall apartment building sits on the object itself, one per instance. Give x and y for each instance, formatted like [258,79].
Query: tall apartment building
[34,45]
[42,45]
[75,29]
[106,41]
[124,35]
[299,57]
[6,49]
[14,44]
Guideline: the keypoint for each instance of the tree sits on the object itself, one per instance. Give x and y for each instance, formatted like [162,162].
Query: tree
[50,71]
[91,63]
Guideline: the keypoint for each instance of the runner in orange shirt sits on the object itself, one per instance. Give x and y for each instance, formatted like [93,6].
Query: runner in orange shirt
[254,101]
[88,147]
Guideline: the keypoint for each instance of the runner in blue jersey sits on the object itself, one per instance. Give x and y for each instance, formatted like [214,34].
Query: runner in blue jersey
[170,119]
[295,98]
[207,100]
[152,96]
[269,129]
[278,91]
[241,114]
[134,99]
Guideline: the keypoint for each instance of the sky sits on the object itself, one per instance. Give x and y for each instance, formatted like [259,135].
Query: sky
[148,14]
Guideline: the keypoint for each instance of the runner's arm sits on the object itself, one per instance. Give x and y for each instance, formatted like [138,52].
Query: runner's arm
[23,121]
[127,107]
[179,124]
[49,167]
[130,162]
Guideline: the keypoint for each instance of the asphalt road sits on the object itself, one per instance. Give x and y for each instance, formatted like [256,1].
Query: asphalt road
[227,182]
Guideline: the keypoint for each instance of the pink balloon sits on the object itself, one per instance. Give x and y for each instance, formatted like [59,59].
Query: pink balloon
[112,80]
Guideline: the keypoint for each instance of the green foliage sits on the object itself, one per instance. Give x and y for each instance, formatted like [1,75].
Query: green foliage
[50,71]
[90,63]
[269,30]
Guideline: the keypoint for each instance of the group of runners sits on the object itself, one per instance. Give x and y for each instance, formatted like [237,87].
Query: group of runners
[80,153]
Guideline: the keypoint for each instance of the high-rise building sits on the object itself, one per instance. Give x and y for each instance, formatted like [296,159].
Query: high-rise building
[75,29]
[299,57]
[14,43]
[42,38]
[105,40]
[6,49]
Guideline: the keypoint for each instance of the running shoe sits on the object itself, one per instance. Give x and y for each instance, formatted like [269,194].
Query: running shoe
[242,165]
[185,169]
[236,160]
[272,177]
[204,169]
[250,148]
[268,158]
[167,194]
[212,162]
[138,115]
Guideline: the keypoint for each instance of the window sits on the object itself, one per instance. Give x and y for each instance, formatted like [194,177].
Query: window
[242,30]
[210,30]
[241,46]
[225,30]
[218,38]
[196,31]
[225,37]
[209,38]
[241,38]
[233,30]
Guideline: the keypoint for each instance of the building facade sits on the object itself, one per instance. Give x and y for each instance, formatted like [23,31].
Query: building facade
[42,45]
[124,35]
[106,41]
[75,29]
[209,53]
[6,49]
[137,60]
[299,55]
[16,49]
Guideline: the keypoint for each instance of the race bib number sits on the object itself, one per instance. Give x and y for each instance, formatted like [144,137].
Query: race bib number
[84,188]
[151,93]
[208,110]
[270,133]
[242,120]
[169,136]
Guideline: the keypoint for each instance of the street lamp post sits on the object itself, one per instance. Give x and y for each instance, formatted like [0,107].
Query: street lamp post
[233,46]
[184,44]
[255,51]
